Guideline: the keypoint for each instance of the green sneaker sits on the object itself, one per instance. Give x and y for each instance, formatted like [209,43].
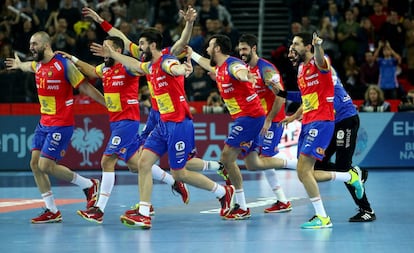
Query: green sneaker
[356,182]
[223,173]
[317,222]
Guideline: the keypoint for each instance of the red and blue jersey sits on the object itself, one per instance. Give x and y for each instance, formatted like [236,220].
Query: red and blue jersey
[239,96]
[317,90]
[168,89]
[55,81]
[266,71]
[121,92]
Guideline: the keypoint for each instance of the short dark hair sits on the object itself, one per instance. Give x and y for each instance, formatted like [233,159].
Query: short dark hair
[306,38]
[223,42]
[249,39]
[118,42]
[152,35]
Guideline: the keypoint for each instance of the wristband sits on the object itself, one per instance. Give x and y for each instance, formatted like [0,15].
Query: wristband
[74,59]
[106,26]
[196,57]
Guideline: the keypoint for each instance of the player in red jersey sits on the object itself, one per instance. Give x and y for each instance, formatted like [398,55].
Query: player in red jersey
[120,86]
[268,75]
[317,91]
[55,79]
[235,83]
[175,131]
[177,50]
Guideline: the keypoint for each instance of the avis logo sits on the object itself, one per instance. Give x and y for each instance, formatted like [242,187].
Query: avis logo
[87,141]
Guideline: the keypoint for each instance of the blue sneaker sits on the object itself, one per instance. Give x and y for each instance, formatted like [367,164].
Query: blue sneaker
[317,222]
[356,175]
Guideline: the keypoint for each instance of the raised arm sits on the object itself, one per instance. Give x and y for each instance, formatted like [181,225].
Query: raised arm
[106,50]
[189,16]
[16,63]
[106,26]
[319,53]
[86,68]
[200,60]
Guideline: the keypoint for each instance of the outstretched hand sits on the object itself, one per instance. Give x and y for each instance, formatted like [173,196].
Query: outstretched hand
[190,15]
[88,12]
[188,67]
[13,63]
[104,50]
[316,40]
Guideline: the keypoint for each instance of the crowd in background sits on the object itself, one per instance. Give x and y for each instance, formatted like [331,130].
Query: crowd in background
[370,43]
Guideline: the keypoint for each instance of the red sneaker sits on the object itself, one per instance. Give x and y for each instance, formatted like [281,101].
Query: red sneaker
[138,220]
[181,189]
[237,214]
[92,193]
[48,217]
[279,207]
[134,210]
[227,200]
[93,214]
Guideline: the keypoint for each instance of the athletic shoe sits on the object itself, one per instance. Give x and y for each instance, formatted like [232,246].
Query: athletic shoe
[356,175]
[227,200]
[364,175]
[237,213]
[136,221]
[134,210]
[316,222]
[181,189]
[48,217]
[93,214]
[223,173]
[363,216]
[279,207]
[91,193]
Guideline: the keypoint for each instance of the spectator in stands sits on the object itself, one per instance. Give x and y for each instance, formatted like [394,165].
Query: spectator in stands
[393,31]
[213,27]
[231,32]
[307,26]
[379,17]
[347,34]
[327,33]
[166,33]
[333,14]
[138,9]
[166,11]
[41,13]
[214,103]
[369,70]
[207,11]
[223,13]
[83,42]
[409,44]
[366,38]
[388,64]
[407,103]
[70,13]
[22,33]
[351,77]
[295,28]
[64,39]
[198,85]
[374,101]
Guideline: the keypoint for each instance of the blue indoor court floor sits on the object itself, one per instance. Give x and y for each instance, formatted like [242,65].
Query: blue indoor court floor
[197,227]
